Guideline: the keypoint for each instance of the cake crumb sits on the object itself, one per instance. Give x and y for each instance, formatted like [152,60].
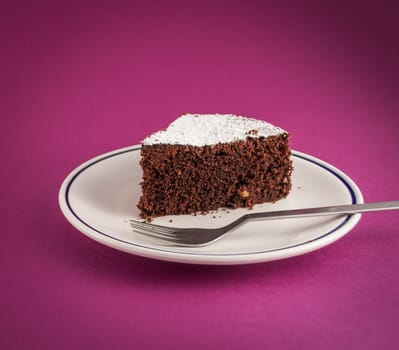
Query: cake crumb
[253,132]
[244,194]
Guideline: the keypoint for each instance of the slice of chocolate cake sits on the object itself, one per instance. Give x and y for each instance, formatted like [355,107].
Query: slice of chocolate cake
[203,162]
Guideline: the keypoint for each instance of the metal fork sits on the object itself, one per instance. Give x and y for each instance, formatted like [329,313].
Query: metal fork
[203,236]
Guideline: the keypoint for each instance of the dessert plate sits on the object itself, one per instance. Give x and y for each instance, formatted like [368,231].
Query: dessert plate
[99,197]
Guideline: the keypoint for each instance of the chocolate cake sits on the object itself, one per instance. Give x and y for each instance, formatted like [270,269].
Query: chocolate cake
[203,162]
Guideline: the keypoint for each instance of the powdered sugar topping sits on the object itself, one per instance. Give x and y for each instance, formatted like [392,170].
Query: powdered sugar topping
[210,129]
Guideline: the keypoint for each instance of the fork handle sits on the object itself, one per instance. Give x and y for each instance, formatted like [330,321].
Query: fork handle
[320,211]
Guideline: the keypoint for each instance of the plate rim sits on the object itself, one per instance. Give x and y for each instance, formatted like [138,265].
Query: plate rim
[162,253]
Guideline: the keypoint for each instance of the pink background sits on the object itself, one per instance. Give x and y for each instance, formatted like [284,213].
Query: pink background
[82,78]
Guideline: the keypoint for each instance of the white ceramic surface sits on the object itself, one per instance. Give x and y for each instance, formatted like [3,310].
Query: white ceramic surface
[101,195]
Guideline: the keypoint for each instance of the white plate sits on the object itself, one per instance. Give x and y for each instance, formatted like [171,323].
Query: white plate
[100,196]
